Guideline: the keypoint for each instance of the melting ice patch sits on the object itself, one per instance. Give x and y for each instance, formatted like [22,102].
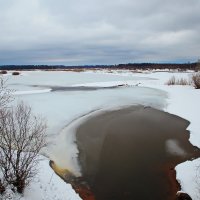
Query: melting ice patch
[174,148]
[31,92]
[64,151]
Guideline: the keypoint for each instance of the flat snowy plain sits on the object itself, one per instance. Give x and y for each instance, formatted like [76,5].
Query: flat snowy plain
[64,109]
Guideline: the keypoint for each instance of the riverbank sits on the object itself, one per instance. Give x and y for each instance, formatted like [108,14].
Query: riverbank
[131,153]
[63,107]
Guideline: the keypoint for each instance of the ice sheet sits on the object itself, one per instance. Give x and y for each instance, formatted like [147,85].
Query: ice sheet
[61,107]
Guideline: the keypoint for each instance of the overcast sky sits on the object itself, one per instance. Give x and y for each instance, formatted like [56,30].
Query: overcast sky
[74,32]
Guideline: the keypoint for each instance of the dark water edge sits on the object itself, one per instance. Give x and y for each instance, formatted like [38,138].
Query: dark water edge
[131,153]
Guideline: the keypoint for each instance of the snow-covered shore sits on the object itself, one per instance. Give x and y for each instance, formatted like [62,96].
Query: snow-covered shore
[179,100]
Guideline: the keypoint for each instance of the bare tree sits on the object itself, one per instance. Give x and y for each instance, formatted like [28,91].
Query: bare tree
[22,136]
[5,98]
[5,93]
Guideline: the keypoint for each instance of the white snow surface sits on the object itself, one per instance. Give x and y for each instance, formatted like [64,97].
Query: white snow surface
[63,110]
[45,186]
[31,92]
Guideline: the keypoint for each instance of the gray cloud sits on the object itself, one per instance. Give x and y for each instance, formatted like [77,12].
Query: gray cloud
[98,31]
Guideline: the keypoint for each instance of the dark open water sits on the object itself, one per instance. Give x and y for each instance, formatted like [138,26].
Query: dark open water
[130,154]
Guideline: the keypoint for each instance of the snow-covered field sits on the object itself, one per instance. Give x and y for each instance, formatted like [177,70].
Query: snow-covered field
[64,108]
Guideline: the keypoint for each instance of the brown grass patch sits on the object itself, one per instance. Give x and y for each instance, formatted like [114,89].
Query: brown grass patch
[15,73]
[196,80]
[175,81]
[3,72]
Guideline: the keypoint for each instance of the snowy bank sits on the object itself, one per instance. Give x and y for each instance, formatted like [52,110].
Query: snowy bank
[45,186]
[60,108]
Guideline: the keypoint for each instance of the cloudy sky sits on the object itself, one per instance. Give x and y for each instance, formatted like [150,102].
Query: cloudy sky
[74,32]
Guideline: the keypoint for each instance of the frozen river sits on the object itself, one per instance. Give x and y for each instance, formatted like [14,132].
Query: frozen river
[60,107]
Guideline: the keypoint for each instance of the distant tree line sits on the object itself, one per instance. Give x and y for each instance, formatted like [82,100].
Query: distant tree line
[132,66]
